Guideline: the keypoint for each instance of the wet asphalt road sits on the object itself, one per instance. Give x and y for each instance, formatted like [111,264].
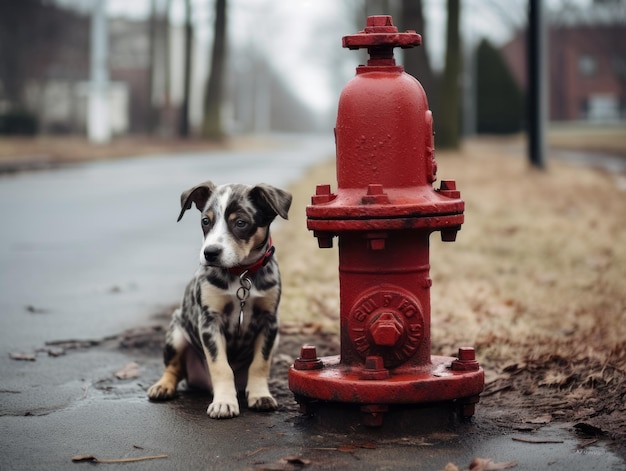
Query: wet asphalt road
[93,248]
[89,251]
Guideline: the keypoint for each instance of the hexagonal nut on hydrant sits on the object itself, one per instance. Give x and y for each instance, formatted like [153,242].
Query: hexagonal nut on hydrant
[386,330]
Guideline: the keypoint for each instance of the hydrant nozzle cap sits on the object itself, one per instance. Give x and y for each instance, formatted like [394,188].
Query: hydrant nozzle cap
[380,32]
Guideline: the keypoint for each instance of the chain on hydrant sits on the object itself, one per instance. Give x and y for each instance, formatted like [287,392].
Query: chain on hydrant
[382,213]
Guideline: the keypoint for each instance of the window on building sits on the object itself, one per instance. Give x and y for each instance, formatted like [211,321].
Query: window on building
[587,65]
[603,107]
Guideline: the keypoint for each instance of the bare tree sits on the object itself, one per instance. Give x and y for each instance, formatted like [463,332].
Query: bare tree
[153,32]
[212,121]
[166,114]
[159,67]
[416,61]
[183,125]
[449,119]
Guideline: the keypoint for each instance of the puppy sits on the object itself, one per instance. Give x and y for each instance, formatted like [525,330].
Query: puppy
[223,335]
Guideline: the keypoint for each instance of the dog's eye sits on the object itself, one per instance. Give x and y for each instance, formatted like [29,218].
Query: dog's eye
[206,221]
[240,223]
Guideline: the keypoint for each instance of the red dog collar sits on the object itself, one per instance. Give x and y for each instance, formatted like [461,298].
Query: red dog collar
[256,266]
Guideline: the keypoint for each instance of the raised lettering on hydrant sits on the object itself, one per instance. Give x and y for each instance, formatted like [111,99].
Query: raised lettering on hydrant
[382,213]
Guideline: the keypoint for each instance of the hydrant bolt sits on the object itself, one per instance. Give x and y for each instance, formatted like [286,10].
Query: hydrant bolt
[375,195]
[374,369]
[374,363]
[322,195]
[376,240]
[308,359]
[324,240]
[466,360]
[374,189]
[449,235]
[377,244]
[448,188]
[467,354]
[386,330]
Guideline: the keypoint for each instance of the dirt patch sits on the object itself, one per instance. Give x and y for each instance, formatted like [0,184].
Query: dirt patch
[535,281]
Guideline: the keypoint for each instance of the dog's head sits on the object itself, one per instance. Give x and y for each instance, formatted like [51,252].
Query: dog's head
[235,220]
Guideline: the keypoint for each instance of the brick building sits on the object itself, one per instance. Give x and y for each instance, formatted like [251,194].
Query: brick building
[587,67]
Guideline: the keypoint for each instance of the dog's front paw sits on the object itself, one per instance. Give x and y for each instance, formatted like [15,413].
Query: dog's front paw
[263,403]
[161,391]
[223,409]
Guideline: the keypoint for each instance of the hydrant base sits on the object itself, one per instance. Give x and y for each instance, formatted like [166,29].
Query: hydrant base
[435,382]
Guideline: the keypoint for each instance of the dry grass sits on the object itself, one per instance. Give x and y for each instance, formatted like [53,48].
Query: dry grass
[310,277]
[536,281]
[599,138]
[30,152]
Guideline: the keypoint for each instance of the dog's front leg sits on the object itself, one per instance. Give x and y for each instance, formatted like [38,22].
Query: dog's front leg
[175,346]
[257,389]
[224,405]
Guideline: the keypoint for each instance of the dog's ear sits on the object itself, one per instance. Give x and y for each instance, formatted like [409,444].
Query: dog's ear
[199,195]
[271,200]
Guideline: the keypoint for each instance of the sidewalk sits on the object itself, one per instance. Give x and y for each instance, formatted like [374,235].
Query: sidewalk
[86,410]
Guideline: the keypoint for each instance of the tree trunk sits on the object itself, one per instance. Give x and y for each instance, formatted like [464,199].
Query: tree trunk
[152,32]
[449,120]
[212,122]
[416,60]
[183,125]
[167,122]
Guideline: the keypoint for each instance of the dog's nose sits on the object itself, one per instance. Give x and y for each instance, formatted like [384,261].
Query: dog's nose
[212,252]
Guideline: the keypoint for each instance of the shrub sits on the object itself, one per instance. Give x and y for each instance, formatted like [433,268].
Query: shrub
[18,122]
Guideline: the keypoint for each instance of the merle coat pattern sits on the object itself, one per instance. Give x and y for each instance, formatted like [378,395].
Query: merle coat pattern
[206,342]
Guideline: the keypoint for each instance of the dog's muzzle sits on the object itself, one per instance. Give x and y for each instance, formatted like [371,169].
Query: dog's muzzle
[212,254]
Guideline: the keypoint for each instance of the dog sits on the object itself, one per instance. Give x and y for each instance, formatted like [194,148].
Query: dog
[223,335]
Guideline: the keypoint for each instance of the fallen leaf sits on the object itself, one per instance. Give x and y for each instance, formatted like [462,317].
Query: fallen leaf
[487,464]
[22,356]
[511,368]
[79,458]
[259,450]
[56,352]
[542,419]
[535,441]
[556,378]
[368,446]
[131,370]
[74,344]
[296,460]
[93,459]
[346,448]
[52,351]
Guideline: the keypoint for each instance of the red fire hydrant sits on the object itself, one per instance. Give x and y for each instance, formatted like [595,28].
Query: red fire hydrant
[383,212]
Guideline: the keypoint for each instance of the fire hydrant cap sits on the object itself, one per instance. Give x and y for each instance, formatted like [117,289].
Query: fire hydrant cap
[380,32]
